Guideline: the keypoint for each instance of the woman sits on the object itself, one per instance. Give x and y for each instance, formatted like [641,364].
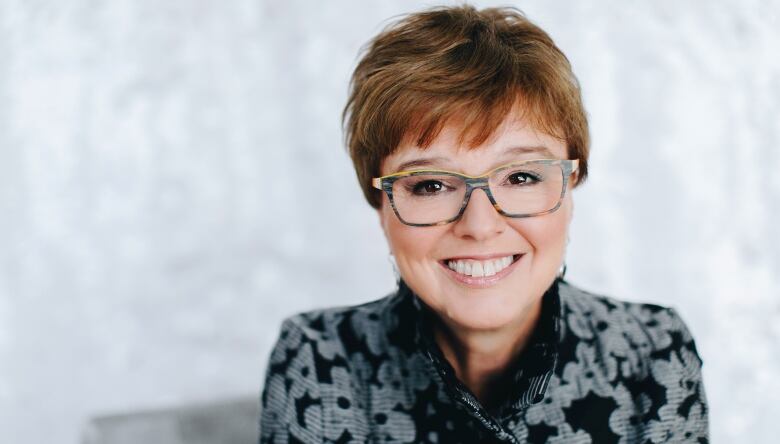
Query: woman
[468,134]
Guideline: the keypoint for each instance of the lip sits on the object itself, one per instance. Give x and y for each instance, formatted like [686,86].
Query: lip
[482,281]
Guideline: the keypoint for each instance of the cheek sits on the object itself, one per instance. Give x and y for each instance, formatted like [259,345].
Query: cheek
[547,234]
[406,242]
[410,243]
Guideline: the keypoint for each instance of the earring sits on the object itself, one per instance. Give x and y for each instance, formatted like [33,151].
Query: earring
[561,271]
[391,259]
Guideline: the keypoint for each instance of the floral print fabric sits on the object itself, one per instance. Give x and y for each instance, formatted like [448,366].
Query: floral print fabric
[596,370]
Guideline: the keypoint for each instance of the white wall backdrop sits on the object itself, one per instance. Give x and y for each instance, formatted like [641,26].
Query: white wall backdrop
[162,167]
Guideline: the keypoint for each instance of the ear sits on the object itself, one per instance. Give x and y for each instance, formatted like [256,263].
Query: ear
[574,179]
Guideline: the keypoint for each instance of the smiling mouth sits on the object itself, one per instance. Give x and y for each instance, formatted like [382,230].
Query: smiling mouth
[481,268]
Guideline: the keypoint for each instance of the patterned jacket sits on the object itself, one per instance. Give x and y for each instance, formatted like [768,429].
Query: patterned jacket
[595,370]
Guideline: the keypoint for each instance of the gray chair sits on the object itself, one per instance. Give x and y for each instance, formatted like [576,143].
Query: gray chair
[227,422]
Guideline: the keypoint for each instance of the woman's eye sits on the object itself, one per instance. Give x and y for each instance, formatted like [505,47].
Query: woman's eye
[521,178]
[428,187]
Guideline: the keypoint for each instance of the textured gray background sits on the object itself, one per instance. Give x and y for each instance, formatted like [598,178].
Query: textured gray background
[173,183]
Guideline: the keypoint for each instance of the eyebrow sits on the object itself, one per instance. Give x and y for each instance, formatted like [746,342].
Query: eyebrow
[540,149]
[424,162]
[511,151]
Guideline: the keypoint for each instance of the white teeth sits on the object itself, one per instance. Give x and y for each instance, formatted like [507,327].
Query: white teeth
[479,268]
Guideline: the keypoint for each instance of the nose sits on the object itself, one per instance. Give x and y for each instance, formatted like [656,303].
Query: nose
[480,220]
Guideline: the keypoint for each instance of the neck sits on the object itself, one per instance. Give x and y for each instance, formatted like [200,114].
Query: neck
[481,358]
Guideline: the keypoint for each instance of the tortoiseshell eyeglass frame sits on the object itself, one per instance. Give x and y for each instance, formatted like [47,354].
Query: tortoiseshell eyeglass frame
[385,183]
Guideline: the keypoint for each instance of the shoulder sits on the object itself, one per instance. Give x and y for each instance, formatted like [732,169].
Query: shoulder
[326,325]
[648,331]
[310,367]
[334,334]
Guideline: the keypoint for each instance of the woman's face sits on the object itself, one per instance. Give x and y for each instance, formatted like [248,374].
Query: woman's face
[536,244]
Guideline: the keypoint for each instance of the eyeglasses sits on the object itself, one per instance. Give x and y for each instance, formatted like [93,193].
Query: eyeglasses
[423,198]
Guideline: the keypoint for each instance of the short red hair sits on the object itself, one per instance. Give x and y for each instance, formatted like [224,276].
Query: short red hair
[458,62]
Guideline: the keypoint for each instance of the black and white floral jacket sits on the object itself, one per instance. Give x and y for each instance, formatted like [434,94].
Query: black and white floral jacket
[596,370]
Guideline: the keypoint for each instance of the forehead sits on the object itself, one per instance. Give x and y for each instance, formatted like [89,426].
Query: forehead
[513,140]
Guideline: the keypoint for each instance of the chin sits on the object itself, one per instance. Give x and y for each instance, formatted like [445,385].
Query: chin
[482,313]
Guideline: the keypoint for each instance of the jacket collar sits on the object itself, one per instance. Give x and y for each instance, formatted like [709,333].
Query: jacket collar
[531,373]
